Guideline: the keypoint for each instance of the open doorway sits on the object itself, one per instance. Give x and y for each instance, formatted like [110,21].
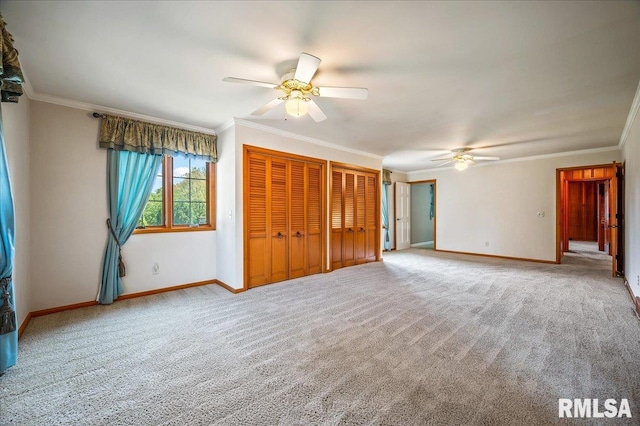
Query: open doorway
[590,219]
[423,214]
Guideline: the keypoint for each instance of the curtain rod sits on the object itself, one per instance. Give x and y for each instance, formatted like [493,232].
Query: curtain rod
[98,115]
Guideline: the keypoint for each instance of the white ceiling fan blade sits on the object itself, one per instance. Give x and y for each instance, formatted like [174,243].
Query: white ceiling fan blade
[251,82]
[267,107]
[344,92]
[306,68]
[315,112]
[443,159]
[447,162]
[486,158]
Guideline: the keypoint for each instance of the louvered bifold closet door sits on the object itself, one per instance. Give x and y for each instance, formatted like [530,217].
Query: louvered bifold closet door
[337,218]
[361,208]
[314,218]
[372,218]
[349,232]
[298,223]
[257,227]
[279,232]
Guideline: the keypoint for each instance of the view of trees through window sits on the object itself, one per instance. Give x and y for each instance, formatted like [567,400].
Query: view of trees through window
[189,194]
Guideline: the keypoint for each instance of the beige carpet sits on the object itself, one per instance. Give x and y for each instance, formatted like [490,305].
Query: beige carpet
[421,338]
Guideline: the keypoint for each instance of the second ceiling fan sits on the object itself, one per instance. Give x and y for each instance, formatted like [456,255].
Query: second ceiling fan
[297,90]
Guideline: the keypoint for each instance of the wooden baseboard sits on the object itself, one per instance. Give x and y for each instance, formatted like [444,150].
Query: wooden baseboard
[122,297]
[495,256]
[634,299]
[62,308]
[24,324]
[229,288]
[164,290]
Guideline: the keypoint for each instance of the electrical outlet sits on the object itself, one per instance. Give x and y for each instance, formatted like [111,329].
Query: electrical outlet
[486,243]
[638,280]
[155,270]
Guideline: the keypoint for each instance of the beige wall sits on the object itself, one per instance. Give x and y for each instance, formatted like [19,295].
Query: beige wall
[68,213]
[16,123]
[631,155]
[498,203]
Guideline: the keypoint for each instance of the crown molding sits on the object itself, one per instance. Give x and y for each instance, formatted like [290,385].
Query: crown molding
[531,158]
[224,126]
[633,113]
[50,99]
[291,135]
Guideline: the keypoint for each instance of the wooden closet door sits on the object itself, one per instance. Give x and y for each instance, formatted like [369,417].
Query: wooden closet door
[298,222]
[372,218]
[361,208]
[314,218]
[278,226]
[349,214]
[337,218]
[258,248]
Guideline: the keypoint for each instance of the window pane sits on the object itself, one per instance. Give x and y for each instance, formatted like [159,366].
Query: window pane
[153,214]
[189,192]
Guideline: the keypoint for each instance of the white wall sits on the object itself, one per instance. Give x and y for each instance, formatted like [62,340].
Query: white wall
[16,136]
[255,135]
[498,203]
[68,213]
[227,219]
[631,155]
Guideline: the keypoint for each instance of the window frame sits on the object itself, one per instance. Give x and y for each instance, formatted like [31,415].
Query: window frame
[167,202]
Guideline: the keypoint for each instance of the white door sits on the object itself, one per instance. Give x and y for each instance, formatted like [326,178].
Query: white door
[403,215]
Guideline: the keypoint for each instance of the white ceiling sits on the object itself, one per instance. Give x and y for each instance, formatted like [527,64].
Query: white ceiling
[519,78]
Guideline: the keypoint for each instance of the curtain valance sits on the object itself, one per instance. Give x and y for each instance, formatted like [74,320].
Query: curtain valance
[10,73]
[124,134]
[386,177]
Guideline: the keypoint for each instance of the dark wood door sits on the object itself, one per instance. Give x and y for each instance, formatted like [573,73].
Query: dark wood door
[583,211]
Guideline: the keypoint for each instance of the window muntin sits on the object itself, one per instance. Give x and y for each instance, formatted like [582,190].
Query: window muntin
[184,193]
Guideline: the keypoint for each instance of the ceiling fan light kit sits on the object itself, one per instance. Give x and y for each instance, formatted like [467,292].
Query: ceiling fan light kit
[463,159]
[298,90]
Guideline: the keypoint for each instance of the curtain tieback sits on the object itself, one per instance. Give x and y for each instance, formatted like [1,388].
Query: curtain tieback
[8,313]
[122,271]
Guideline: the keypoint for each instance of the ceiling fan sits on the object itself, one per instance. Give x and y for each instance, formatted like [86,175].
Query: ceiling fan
[297,90]
[463,159]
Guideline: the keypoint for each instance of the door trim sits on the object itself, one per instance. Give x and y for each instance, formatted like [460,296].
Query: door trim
[561,180]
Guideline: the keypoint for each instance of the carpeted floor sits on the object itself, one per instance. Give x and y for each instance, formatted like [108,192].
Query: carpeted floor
[421,338]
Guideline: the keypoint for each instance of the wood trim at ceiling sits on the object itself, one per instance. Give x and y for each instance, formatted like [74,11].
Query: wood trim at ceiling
[282,154]
[496,256]
[340,165]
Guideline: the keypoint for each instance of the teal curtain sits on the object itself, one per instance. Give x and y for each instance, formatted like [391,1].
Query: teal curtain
[130,177]
[431,212]
[385,215]
[8,329]
[11,80]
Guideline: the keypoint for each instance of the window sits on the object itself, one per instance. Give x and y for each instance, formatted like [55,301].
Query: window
[182,198]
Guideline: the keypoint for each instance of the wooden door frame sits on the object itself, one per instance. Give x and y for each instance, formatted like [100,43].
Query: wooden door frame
[246,150]
[559,199]
[435,210]
[378,174]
